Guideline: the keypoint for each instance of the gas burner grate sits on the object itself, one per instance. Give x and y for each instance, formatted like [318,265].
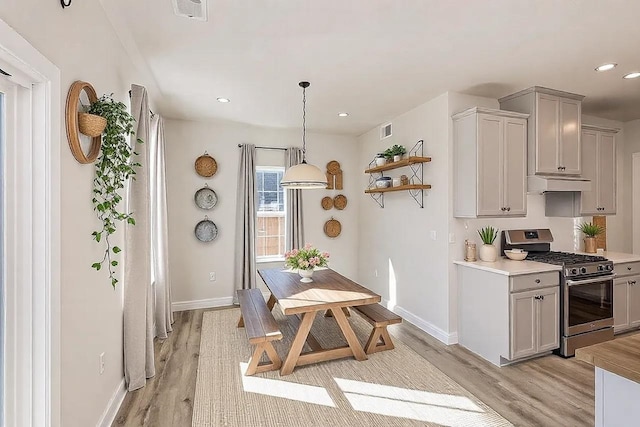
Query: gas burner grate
[563,258]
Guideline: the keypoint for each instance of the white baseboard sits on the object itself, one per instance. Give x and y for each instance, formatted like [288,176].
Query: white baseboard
[110,412]
[201,303]
[431,329]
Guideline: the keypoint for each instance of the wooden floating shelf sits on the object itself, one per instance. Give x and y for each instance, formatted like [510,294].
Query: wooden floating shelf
[400,188]
[394,165]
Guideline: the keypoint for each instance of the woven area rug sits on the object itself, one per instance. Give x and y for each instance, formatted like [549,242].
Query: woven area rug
[391,388]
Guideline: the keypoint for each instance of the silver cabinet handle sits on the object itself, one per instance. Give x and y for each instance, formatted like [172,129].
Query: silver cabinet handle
[537,280]
[629,268]
[509,209]
[631,282]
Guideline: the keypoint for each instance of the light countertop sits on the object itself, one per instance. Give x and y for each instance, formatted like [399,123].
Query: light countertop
[510,267]
[620,356]
[619,257]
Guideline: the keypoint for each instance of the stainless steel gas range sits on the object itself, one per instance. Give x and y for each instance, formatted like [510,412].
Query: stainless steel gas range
[586,288]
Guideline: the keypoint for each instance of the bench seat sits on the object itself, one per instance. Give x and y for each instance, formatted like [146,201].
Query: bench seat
[379,317]
[261,329]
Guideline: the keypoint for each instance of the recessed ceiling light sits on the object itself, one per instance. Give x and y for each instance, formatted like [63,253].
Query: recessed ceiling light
[224,100]
[633,75]
[606,67]
[343,114]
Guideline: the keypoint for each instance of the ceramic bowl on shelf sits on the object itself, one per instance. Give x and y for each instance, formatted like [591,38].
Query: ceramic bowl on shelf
[384,182]
[516,255]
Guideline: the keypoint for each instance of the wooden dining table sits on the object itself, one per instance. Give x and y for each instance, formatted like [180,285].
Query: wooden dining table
[328,291]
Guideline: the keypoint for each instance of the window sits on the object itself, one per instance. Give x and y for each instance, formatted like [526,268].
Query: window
[271,214]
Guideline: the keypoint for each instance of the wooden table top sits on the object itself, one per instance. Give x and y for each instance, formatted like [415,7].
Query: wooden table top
[620,356]
[328,290]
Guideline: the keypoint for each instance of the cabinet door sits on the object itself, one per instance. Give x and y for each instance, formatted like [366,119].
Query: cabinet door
[570,122]
[515,165]
[620,306]
[607,173]
[589,199]
[548,319]
[547,134]
[633,301]
[489,165]
[523,324]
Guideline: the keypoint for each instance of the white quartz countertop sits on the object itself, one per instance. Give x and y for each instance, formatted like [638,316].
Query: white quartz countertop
[618,257]
[510,267]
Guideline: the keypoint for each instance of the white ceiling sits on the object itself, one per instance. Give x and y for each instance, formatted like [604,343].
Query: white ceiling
[378,58]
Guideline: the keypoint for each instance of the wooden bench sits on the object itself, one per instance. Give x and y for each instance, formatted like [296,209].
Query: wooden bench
[379,317]
[261,329]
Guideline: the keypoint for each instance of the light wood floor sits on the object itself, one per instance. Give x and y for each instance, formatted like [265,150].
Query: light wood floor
[548,391]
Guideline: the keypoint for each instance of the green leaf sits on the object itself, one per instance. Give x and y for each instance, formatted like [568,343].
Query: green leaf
[98,236]
[96,265]
[131,221]
[116,250]
[114,263]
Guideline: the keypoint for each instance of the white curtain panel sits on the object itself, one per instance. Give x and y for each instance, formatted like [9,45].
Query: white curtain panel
[159,230]
[138,309]
[294,221]
[245,254]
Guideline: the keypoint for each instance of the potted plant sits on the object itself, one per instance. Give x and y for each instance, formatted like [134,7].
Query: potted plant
[113,167]
[487,250]
[305,260]
[395,152]
[591,231]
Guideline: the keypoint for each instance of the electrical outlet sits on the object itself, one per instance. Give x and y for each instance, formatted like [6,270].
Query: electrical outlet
[375,273]
[101,363]
[434,235]
[212,276]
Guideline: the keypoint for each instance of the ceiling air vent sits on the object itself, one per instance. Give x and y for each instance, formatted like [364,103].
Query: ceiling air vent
[193,9]
[385,131]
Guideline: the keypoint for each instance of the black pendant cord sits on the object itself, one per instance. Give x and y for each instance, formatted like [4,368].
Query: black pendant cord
[65,3]
[304,86]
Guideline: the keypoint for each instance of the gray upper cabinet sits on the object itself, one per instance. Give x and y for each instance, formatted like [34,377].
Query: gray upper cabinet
[599,165]
[489,163]
[553,129]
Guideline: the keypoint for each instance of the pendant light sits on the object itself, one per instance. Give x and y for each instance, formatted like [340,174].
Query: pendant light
[304,176]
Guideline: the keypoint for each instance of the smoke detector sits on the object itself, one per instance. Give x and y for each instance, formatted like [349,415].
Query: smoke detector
[192,9]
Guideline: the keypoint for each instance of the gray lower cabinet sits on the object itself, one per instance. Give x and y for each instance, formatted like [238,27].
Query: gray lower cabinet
[626,297]
[504,318]
[535,322]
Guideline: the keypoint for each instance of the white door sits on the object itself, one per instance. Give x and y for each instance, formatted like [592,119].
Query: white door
[7,119]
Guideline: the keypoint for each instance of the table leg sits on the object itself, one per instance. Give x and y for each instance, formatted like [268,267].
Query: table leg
[349,335]
[272,301]
[298,343]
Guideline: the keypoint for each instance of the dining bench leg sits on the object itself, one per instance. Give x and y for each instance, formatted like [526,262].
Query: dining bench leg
[255,367]
[379,340]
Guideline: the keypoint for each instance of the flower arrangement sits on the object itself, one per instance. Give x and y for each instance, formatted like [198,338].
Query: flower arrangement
[306,258]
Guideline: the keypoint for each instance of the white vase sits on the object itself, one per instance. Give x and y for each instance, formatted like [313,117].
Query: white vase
[397,157]
[381,161]
[488,253]
[306,275]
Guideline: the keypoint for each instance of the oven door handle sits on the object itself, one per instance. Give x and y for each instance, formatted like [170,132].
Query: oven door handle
[594,280]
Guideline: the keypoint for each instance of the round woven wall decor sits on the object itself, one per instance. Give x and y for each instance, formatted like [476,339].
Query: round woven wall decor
[340,201]
[206,165]
[327,203]
[332,228]
[333,167]
[71,119]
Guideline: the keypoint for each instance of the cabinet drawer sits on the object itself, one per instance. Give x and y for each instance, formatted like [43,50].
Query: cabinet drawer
[627,269]
[534,281]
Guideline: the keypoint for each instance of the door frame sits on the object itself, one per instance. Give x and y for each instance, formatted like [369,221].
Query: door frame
[34,353]
[635,202]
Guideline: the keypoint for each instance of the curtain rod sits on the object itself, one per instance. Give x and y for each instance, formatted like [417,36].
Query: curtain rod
[267,148]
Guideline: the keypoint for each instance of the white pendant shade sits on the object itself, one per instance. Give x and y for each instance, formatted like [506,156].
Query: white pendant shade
[304,177]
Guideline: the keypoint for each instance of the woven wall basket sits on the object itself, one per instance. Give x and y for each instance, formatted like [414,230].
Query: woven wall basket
[332,228]
[91,124]
[340,201]
[333,167]
[327,203]
[206,165]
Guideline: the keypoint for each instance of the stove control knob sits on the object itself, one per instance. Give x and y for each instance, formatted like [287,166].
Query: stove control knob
[609,267]
[601,267]
[583,270]
[574,271]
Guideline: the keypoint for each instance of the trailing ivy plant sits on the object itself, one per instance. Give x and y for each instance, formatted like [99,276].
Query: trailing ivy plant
[114,166]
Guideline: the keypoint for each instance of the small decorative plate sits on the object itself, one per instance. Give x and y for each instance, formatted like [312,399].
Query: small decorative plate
[206,198]
[206,230]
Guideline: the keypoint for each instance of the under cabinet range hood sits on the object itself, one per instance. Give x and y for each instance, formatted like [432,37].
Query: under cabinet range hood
[545,183]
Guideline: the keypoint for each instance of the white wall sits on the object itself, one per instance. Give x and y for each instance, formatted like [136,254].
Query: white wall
[190,260]
[396,241]
[81,42]
[632,145]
